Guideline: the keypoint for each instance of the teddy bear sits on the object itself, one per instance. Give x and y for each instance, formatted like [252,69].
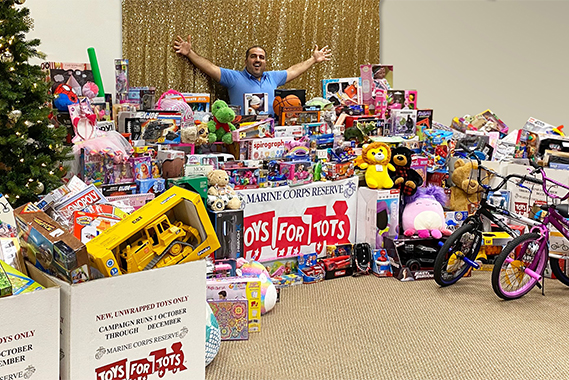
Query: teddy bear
[466,189]
[220,195]
[376,159]
[220,127]
[404,178]
[423,215]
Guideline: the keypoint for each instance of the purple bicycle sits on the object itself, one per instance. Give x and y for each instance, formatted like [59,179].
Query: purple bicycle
[520,265]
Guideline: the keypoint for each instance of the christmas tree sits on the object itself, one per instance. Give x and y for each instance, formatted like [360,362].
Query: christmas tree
[31,148]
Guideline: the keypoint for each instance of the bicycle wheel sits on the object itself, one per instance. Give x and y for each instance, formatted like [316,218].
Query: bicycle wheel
[560,267]
[464,242]
[509,277]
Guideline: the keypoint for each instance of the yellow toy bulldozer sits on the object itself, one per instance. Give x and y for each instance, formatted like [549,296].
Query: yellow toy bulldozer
[161,244]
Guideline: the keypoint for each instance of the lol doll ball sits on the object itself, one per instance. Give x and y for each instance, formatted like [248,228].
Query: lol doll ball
[268,289]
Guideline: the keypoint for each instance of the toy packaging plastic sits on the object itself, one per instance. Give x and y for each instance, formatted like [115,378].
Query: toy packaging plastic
[374,78]
[256,104]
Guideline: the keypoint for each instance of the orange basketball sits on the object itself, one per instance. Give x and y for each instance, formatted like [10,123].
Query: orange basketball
[292,101]
[277,105]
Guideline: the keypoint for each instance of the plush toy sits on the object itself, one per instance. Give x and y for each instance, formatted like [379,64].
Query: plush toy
[424,214]
[268,289]
[220,195]
[220,127]
[404,178]
[466,189]
[212,335]
[376,162]
[202,133]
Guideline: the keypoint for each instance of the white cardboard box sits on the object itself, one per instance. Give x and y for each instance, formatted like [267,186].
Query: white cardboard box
[367,211]
[522,200]
[145,325]
[29,333]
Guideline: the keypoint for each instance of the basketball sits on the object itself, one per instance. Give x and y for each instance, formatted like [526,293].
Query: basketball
[277,105]
[291,101]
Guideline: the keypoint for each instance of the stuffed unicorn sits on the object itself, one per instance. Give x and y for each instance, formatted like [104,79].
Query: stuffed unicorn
[424,214]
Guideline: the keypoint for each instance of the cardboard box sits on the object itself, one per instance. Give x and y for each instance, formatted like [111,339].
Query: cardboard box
[29,332]
[130,325]
[377,216]
[50,247]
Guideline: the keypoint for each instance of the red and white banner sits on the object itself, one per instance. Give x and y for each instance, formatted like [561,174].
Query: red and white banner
[287,221]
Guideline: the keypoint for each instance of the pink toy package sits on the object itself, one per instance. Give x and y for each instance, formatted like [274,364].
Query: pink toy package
[374,79]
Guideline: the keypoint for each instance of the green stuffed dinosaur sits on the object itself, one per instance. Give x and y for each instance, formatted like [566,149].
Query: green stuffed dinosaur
[220,127]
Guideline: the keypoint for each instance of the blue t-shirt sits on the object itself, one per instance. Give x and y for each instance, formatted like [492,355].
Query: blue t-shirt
[241,82]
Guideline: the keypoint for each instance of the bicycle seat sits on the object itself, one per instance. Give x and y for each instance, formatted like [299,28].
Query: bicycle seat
[563,210]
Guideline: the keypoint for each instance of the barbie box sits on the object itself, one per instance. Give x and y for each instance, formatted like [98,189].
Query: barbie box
[29,332]
[143,325]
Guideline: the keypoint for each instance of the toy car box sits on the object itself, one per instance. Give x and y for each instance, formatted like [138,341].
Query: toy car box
[310,269]
[228,225]
[171,229]
[335,267]
[50,247]
[412,258]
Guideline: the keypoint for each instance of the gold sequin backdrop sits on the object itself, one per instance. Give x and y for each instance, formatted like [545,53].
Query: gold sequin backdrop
[222,30]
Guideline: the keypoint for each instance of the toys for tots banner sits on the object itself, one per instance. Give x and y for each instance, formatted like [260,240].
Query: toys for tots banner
[287,221]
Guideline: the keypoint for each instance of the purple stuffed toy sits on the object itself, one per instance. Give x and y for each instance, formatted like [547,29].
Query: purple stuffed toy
[424,214]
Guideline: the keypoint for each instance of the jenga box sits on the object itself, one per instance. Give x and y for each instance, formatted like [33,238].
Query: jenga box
[50,247]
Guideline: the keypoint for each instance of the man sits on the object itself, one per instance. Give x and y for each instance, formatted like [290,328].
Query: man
[253,79]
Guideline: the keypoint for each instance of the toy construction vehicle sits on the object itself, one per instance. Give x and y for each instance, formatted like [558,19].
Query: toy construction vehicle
[173,228]
[161,244]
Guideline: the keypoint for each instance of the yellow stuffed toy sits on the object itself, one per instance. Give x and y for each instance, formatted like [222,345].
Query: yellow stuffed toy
[376,161]
[466,189]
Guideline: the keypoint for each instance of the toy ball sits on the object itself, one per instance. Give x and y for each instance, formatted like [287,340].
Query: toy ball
[90,90]
[277,105]
[292,101]
[67,90]
[268,289]
[61,102]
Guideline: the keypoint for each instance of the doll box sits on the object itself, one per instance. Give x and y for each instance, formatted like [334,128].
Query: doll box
[228,226]
[260,129]
[377,216]
[30,337]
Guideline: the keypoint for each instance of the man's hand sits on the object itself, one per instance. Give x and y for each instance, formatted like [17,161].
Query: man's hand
[321,55]
[183,47]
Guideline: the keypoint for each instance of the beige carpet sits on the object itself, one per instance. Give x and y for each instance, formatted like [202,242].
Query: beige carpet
[372,328]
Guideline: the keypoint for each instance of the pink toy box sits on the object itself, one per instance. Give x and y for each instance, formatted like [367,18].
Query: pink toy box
[297,172]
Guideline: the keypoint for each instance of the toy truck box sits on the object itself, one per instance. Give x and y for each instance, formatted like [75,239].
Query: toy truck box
[50,247]
[171,229]
[29,326]
[412,258]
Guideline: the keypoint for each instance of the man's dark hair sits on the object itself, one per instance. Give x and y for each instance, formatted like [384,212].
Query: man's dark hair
[253,47]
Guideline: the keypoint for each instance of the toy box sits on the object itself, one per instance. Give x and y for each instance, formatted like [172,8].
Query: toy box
[454,219]
[242,178]
[411,258]
[256,104]
[375,77]
[334,171]
[290,130]
[64,209]
[238,288]
[196,184]
[400,99]
[339,266]
[197,170]
[259,129]
[231,316]
[297,172]
[30,328]
[228,226]
[263,148]
[342,91]
[298,116]
[50,247]
[284,272]
[403,122]
[338,250]
[309,268]
[381,265]
[419,164]
[424,121]
[377,216]
[142,167]
[5,284]
[151,185]
[171,229]
[119,189]
[87,226]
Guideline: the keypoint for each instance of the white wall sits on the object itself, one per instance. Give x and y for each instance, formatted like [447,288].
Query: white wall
[67,28]
[464,56]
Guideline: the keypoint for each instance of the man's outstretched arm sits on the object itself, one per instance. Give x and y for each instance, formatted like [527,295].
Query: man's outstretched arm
[321,55]
[185,48]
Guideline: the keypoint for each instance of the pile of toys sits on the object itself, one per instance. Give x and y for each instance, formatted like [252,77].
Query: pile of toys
[186,161]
